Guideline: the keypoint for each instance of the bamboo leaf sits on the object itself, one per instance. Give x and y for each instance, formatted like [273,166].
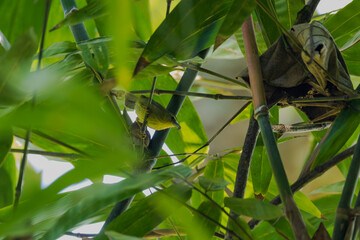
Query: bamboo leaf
[112,235]
[208,227]
[239,11]
[18,17]
[141,19]
[148,213]
[59,49]
[67,210]
[343,127]
[6,139]
[94,9]
[287,11]
[343,25]
[261,172]
[7,181]
[306,205]
[182,33]
[269,29]
[215,170]
[253,208]
[212,184]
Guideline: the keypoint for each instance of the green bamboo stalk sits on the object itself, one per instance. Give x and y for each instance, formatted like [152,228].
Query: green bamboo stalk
[342,215]
[261,114]
[79,31]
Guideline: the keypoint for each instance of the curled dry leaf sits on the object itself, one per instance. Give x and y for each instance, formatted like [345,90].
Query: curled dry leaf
[304,63]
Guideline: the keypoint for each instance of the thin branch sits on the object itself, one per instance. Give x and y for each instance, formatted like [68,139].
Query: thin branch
[143,126]
[282,128]
[200,69]
[212,138]
[193,94]
[245,159]
[313,174]
[182,154]
[46,153]
[18,188]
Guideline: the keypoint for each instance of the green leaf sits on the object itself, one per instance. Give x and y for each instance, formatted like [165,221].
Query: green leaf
[253,208]
[59,49]
[14,68]
[208,227]
[112,235]
[215,170]
[94,9]
[238,13]
[141,19]
[6,139]
[246,114]
[182,33]
[212,184]
[343,127]
[287,11]
[269,29]
[7,181]
[306,205]
[67,210]
[266,231]
[19,16]
[247,234]
[261,172]
[352,61]
[344,24]
[148,213]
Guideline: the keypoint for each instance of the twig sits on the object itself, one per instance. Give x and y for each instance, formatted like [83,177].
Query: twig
[46,153]
[211,139]
[244,162]
[200,69]
[143,126]
[193,94]
[313,174]
[282,128]
[18,188]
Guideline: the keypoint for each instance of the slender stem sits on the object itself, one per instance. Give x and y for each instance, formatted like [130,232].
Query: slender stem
[324,99]
[46,153]
[282,128]
[194,94]
[200,69]
[305,14]
[211,139]
[313,174]
[342,220]
[245,159]
[18,188]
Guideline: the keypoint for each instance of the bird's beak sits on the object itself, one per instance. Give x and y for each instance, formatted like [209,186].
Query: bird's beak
[176,124]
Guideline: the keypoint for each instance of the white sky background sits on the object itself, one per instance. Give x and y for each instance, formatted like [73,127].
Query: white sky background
[51,170]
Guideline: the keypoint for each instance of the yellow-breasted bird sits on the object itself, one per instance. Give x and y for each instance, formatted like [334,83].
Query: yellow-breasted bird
[159,118]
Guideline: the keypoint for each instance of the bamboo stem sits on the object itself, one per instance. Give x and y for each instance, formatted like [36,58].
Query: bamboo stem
[342,219]
[261,114]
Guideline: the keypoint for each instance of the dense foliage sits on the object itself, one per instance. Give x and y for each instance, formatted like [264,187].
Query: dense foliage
[63,84]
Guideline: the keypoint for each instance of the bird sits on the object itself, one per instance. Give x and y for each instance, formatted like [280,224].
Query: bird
[158,117]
